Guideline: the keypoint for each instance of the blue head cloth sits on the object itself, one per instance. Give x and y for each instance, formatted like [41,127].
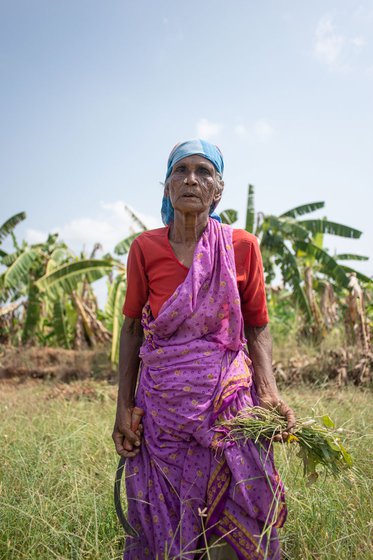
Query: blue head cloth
[185,149]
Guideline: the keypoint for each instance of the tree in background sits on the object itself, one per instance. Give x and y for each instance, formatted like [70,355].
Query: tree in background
[294,247]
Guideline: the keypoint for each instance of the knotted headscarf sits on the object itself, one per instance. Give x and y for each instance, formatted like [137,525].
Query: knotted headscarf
[181,151]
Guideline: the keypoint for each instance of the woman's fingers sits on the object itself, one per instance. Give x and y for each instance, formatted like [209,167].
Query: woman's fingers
[288,414]
[291,420]
[123,447]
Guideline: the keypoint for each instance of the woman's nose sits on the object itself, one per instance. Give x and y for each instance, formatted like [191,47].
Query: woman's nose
[190,178]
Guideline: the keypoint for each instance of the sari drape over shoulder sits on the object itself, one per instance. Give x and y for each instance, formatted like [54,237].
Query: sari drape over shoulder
[188,481]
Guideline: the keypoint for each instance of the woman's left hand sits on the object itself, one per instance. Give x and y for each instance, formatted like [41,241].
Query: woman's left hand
[270,399]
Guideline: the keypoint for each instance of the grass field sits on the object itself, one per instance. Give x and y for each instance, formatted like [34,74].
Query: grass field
[58,463]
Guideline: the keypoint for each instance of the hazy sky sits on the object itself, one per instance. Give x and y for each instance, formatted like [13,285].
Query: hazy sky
[93,96]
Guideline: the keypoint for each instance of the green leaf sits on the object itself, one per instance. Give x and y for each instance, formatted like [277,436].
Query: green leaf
[250,210]
[327,421]
[114,313]
[123,246]
[17,273]
[57,258]
[229,216]
[324,226]
[10,224]
[67,276]
[33,313]
[330,267]
[287,226]
[289,268]
[304,209]
[359,275]
[59,321]
[9,259]
[346,456]
[350,257]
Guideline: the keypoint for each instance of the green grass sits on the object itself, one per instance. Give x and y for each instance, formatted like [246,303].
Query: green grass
[58,463]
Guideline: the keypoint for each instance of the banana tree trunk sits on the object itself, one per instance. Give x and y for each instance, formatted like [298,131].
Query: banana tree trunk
[310,294]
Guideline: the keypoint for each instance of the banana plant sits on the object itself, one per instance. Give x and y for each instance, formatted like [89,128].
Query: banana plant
[71,282]
[293,246]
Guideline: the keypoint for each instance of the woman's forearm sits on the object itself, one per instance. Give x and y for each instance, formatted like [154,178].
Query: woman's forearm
[259,343]
[131,339]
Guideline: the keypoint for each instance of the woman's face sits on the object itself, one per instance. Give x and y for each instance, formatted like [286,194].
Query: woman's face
[193,185]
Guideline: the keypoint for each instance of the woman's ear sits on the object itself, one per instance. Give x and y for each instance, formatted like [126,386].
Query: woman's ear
[218,191]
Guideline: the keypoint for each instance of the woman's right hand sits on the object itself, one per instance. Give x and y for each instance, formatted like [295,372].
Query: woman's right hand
[127,431]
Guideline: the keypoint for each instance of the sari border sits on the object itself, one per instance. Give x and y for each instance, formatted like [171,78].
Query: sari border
[238,537]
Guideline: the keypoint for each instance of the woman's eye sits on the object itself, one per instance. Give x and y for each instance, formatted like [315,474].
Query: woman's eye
[204,171]
[180,169]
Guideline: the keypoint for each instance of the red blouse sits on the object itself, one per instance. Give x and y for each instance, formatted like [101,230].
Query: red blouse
[154,273]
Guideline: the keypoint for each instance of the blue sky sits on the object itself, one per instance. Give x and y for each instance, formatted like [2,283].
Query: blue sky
[94,95]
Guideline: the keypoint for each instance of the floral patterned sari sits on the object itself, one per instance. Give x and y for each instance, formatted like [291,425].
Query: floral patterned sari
[189,481]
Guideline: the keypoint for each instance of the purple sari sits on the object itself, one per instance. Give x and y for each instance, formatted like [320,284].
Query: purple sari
[187,479]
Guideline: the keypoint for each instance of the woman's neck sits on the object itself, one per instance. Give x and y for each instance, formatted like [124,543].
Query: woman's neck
[187,228]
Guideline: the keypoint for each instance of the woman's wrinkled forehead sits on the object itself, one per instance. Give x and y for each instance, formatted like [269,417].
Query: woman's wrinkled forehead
[195,147]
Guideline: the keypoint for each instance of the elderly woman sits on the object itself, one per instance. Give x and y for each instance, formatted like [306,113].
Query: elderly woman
[196,331]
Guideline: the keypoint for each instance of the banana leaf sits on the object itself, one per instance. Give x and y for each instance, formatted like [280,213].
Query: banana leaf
[68,276]
[289,269]
[59,321]
[9,259]
[359,275]
[287,226]
[17,273]
[324,226]
[10,224]
[229,216]
[304,209]
[114,314]
[250,210]
[330,267]
[33,312]
[123,246]
[350,257]
[136,218]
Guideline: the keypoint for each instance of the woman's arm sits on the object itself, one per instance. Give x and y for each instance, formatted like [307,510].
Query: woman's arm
[259,343]
[126,441]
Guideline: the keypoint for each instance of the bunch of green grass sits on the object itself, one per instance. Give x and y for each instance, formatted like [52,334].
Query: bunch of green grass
[318,439]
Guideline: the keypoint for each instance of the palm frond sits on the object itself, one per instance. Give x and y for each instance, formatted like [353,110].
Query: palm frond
[325,226]
[250,210]
[10,224]
[229,216]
